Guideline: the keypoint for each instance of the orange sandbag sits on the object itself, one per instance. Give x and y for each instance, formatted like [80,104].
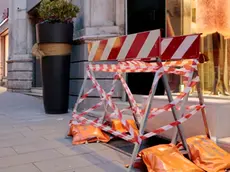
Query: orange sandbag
[87,133]
[167,158]
[207,155]
[118,126]
[71,128]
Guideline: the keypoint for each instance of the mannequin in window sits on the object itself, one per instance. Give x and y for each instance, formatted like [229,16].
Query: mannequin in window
[219,86]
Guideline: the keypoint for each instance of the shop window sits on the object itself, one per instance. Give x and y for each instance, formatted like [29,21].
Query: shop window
[211,18]
[174,27]
[6,53]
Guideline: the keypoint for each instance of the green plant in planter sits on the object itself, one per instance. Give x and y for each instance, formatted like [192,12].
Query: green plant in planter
[57,11]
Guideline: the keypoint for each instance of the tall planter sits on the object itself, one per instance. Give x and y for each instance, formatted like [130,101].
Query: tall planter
[54,41]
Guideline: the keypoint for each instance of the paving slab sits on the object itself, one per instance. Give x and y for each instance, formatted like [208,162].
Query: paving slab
[4,152]
[109,155]
[112,166]
[74,150]
[37,146]
[16,142]
[21,168]
[15,135]
[32,141]
[28,158]
[67,163]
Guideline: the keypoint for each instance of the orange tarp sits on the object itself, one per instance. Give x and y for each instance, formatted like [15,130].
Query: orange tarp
[207,155]
[167,158]
[87,133]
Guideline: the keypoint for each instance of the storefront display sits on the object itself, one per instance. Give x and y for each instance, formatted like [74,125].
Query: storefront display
[212,19]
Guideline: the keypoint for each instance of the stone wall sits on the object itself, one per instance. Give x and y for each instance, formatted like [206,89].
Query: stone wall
[31,4]
[3,5]
[20,64]
[97,20]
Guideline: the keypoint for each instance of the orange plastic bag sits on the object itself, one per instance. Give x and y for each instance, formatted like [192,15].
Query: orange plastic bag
[207,155]
[87,133]
[167,158]
[118,126]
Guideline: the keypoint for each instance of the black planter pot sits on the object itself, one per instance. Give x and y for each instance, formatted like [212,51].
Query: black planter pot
[56,68]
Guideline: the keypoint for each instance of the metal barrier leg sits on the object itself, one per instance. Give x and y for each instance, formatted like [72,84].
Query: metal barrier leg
[81,92]
[175,134]
[131,104]
[203,111]
[79,96]
[143,122]
[134,116]
[182,110]
[105,104]
[179,127]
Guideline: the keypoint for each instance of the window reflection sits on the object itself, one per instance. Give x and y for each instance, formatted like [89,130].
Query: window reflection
[213,20]
[213,23]
[174,28]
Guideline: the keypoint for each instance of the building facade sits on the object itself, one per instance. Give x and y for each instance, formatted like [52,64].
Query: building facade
[99,19]
[4,41]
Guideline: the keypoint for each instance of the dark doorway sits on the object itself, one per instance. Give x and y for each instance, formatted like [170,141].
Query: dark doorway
[37,65]
[37,82]
[145,15]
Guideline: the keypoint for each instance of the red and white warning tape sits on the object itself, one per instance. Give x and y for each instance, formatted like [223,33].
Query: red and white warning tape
[143,137]
[137,66]
[83,97]
[173,124]
[103,127]
[112,105]
[178,99]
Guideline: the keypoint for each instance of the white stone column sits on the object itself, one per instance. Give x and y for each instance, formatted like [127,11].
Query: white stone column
[20,64]
[1,59]
[98,19]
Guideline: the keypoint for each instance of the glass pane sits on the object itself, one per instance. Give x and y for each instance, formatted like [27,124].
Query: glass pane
[174,19]
[215,45]
[173,28]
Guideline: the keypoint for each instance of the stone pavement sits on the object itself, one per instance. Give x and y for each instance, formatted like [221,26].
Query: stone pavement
[31,141]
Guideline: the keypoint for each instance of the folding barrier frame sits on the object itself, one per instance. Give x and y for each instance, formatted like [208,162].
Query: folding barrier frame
[132,52]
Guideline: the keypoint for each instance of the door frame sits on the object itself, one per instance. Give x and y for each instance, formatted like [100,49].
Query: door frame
[124,97]
[4,55]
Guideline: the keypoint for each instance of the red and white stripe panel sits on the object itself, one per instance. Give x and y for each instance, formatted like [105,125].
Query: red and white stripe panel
[145,46]
[134,46]
[180,47]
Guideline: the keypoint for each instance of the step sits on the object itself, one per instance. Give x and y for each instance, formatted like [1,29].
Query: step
[123,105]
[224,143]
[98,114]
[37,90]
[34,94]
